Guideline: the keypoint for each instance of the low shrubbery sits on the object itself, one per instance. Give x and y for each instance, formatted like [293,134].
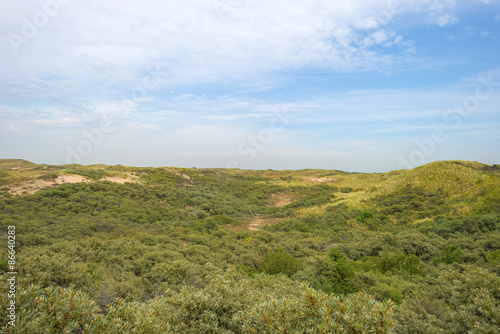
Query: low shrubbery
[102,257]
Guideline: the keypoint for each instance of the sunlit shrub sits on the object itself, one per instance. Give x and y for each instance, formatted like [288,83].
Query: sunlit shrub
[317,312]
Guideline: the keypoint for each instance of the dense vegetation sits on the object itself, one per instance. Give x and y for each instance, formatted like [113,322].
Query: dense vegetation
[176,250]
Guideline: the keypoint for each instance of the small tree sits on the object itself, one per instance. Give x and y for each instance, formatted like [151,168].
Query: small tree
[451,253]
[334,273]
[279,262]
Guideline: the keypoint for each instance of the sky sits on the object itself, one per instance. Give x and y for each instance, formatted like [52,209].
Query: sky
[354,85]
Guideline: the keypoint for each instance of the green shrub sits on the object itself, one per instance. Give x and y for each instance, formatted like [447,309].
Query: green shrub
[451,253]
[493,257]
[208,225]
[274,263]
[447,226]
[50,176]
[317,312]
[223,219]
[475,300]
[218,307]
[66,310]
[50,310]
[95,174]
[364,216]
[332,273]
[409,263]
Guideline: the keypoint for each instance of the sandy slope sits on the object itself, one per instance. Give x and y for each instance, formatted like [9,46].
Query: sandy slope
[32,186]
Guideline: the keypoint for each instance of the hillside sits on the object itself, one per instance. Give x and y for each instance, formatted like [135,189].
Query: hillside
[464,186]
[179,250]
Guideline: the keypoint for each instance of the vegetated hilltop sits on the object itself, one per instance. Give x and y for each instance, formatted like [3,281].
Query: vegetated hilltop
[183,250]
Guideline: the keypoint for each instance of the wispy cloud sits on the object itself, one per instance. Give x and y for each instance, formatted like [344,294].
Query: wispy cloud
[224,76]
[111,42]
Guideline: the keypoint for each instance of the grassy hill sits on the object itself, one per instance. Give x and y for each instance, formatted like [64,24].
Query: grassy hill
[176,250]
[452,178]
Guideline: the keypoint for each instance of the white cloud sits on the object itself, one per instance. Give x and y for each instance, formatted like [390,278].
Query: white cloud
[446,20]
[391,106]
[107,42]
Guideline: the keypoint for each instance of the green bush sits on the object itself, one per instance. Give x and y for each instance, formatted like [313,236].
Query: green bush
[451,253]
[493,257]
[409,263]
[223,219]
[317,312]
[274,263]
[333,274]
[475,300]
[50,310]
[364,216]
[447,226]
[50,176]
[95,174]
[346,190]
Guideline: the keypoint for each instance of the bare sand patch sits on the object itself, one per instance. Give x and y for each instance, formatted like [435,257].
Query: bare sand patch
[281,199]
[30,187]
[254,224]
[70,178]
[120,180]
[259,221]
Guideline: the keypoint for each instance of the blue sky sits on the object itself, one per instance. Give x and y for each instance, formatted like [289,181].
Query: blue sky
[352,85]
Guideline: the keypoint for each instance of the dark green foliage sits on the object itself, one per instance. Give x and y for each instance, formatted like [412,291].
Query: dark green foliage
[364,216]
[493,256]
[409,263]
[223,219]
[105,207]
[412,203]
[162,176]
[208,225]
[3,266]
[451,253]
[274,263]
[346,190]
[447,226]
[333,274]
[336,255]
